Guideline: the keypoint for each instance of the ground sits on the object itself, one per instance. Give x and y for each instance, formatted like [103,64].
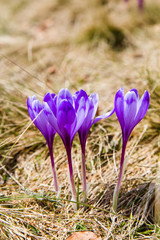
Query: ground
[98,46]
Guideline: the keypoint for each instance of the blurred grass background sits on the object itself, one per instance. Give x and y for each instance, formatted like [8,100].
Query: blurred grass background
[99,46]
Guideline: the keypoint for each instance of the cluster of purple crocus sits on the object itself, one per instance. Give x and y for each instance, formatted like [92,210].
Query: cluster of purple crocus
[68,114]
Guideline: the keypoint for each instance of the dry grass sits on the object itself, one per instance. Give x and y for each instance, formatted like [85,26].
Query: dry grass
[98,46]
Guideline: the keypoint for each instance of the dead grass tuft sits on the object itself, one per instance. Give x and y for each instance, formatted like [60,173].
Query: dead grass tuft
[110,34]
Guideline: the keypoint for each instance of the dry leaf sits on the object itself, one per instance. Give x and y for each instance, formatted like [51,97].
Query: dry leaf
[83,236]
[51,70]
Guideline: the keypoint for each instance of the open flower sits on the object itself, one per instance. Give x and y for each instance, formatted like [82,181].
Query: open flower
[66,116]
[36,113]
[91,109]
[130,110]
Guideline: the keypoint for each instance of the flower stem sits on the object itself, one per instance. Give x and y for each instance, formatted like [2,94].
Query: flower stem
[117,188]
[84,172]
[50,146]
[73,190]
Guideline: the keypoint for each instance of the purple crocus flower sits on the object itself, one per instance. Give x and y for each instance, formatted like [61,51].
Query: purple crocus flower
[66,116]
[91,109]
[36,113]
[130,110]
[140,3]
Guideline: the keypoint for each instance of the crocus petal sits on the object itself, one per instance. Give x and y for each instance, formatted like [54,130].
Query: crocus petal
[30,101]
[30,111]
[130,109]
[136,92]
[40,121]
[84,129]
[143,105]
[93,105]
[66,118]
[80,113]
[66,113]
[106,115]
[51,99]
[36,112]
[77,97]
[119,107]
[37,106]
[93,98]
[64,94]
[51,118]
